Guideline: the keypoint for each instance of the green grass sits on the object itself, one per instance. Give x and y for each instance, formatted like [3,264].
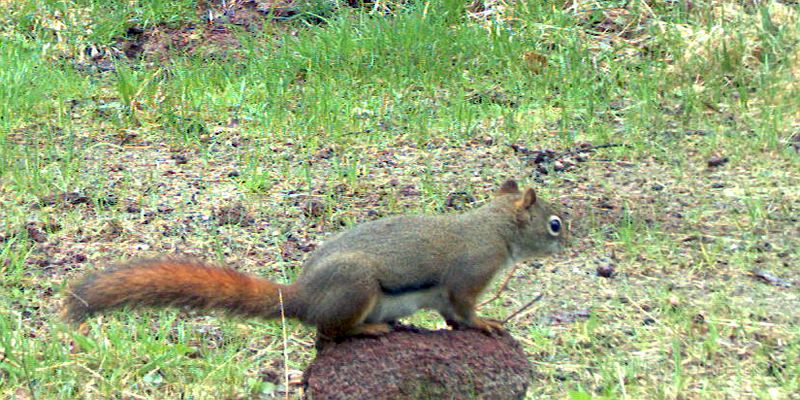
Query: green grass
[373,113]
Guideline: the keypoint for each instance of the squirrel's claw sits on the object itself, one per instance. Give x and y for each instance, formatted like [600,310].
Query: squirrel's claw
[488,326]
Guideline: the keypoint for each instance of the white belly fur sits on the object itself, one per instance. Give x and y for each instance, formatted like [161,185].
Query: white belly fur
[391,308]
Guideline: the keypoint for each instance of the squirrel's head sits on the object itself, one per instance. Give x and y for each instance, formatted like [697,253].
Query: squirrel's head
[539,229]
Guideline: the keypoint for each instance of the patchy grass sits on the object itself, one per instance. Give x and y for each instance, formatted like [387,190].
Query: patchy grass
[250,150]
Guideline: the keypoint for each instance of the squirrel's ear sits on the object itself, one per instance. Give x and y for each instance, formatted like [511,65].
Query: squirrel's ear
[527,200]
[509,186]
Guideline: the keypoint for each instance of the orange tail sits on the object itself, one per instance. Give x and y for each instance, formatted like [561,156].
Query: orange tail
[162,283]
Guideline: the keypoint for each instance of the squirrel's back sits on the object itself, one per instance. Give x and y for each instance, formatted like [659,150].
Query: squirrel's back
[420,248]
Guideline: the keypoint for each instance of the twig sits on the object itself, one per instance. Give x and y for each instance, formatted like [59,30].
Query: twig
[530,303]
[71,293]
[502,287]
[569,367]
[609,145]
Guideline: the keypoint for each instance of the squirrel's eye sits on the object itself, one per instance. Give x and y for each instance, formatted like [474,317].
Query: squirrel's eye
[555,225]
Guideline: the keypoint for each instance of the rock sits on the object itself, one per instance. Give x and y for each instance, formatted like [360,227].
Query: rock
[605,271]
[410,363]
[716,161]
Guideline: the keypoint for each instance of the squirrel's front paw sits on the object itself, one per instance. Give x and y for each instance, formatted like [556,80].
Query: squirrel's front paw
[488,326]
[485,325]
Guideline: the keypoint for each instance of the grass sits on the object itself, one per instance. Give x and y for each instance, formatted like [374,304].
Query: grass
[379,111]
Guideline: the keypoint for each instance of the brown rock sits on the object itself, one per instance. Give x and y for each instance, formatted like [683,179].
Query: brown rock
[419,364]
[605,271]
[716,161]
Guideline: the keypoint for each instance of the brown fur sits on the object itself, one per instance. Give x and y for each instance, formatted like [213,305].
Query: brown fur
[180,283]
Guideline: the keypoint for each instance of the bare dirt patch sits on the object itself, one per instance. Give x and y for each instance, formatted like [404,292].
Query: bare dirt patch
[217,34]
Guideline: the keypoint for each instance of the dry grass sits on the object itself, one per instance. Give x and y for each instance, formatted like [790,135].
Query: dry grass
[252,160]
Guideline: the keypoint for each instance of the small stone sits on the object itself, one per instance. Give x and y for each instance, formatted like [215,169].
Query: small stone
[605,271]
[180,159]
[716,161]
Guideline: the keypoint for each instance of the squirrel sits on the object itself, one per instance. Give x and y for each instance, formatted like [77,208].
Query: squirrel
[360,281]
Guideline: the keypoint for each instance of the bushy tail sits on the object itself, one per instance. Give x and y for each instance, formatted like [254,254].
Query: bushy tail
[181,283]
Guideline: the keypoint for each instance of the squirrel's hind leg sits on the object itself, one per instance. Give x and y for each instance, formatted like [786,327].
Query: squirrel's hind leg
[370,329]
[343,313]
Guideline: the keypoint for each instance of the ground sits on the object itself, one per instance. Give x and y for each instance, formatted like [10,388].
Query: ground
[244,133]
